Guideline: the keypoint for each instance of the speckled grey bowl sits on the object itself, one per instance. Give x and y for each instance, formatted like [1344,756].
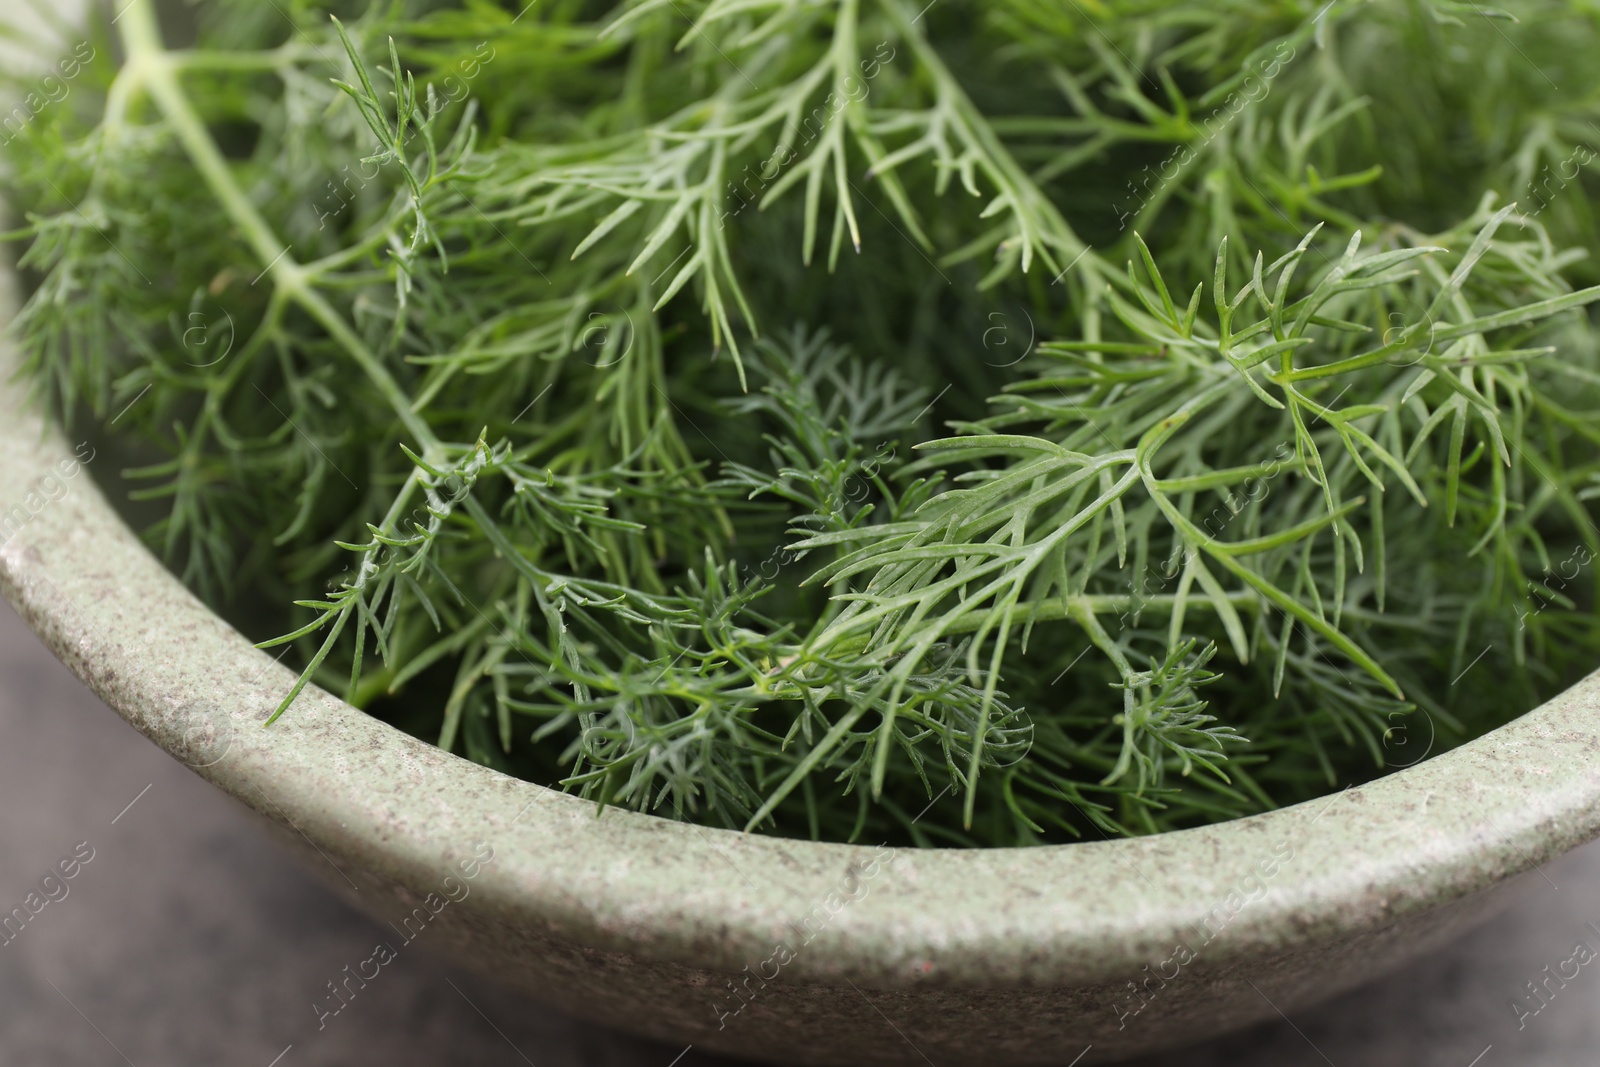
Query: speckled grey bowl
[784,950]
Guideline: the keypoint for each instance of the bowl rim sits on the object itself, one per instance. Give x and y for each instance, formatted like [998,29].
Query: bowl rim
[379,803]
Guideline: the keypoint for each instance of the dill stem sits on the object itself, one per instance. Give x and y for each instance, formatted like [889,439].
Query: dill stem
[154,68]
[1069,607]
[264,60]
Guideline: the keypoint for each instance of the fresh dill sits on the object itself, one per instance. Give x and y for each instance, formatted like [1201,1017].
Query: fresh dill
[804,415]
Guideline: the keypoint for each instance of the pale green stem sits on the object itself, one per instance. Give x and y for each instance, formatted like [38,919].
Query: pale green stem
[269,59]
[1068,607]
[155,68]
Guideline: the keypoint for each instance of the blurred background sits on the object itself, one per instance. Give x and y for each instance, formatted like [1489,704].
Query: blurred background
[188,938]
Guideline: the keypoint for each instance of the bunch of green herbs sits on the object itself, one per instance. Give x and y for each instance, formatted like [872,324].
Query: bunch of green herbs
[970,424]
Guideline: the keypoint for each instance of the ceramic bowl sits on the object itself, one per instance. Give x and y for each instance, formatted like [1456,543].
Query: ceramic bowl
[779,950]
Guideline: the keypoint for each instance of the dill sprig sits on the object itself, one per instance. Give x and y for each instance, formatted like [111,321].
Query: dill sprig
[487,357]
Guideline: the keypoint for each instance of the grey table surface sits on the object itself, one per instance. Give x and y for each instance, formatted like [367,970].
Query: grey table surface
[188,938]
